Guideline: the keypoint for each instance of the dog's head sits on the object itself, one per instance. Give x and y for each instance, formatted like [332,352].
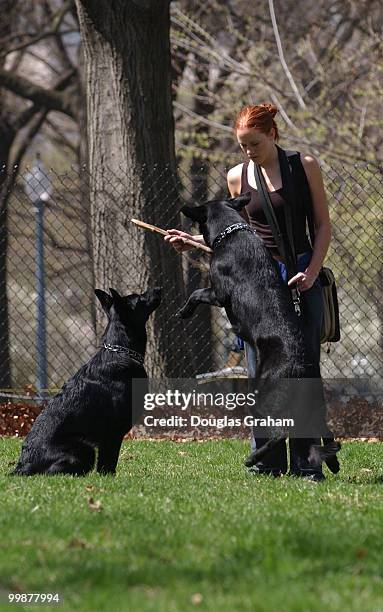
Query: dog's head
[133,309]
[210,214]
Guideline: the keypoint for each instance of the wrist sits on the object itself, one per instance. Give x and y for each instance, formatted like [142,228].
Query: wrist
[312,271]
[198,238]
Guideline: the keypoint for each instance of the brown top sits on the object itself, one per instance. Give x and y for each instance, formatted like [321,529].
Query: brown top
[258,221]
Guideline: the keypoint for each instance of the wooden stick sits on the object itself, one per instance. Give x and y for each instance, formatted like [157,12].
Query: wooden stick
[154,228]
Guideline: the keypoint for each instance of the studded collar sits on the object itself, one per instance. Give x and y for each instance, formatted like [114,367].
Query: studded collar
[229,230]
[116,348]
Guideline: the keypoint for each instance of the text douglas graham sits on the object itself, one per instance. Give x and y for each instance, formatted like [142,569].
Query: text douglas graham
[219,423]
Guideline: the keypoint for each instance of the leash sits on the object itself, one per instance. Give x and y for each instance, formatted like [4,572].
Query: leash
[283,248]
[116,348]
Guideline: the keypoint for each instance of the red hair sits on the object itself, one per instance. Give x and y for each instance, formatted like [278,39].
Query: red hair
[260,117]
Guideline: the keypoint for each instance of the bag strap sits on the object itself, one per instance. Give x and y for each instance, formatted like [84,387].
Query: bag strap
[286,252]
[269,210]
[294,160]
[288,184]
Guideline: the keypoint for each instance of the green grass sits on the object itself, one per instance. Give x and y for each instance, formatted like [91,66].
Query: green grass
[185,527]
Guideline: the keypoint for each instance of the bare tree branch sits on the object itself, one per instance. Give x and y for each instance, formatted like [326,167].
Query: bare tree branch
[200,119]
[56,23]
[62,247]
[33,129]
[61,136]
[50,99]
[282,57]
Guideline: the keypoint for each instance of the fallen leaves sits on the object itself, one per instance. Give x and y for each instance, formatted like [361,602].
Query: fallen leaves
[196,599]
[357,419]
[94,505]
[17,418]
[78,543]
[361,553]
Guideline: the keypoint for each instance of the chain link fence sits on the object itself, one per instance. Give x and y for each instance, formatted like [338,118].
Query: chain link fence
[48,314]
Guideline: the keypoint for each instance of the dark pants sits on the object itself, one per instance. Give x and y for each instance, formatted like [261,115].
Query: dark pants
[311,323]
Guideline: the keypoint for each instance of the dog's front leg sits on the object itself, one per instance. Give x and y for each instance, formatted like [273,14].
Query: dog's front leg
[108,453]
[200,296]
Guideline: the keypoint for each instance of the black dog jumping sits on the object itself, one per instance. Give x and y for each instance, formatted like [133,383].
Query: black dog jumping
[245,281]
[98,405]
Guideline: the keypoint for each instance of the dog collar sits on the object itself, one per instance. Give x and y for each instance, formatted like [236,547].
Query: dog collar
[116,348]
[229,230]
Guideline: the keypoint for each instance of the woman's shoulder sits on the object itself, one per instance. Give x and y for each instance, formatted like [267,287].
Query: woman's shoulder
[234,179]
[312,169]
[235,173]
[309,162]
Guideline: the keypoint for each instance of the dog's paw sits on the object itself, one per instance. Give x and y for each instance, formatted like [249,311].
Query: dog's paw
[333,464]
[251,460]
[326,453]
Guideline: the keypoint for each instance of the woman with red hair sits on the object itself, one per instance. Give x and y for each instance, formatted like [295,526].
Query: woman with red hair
[257,135]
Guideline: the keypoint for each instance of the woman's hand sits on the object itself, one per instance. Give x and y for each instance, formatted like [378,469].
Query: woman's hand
[303,280]
[177,240]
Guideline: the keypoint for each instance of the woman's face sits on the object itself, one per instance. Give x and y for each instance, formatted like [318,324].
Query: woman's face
[256,145]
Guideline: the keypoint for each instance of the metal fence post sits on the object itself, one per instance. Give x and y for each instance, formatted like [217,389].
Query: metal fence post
[41,373]
[38,188]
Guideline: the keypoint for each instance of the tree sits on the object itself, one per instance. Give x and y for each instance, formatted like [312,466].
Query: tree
[132,158]
[19,123]
[322,71]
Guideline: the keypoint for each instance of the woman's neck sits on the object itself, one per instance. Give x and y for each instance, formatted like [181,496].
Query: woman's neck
[271,161]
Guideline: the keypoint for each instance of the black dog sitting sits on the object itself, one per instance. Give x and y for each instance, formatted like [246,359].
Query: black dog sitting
[98,405]
[246,282]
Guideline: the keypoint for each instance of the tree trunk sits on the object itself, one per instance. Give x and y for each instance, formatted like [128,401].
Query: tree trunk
[6,139]
[5,360]
[199,173]
[132,160]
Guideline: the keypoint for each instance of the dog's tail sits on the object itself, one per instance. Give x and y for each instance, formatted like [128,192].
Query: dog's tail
[326,453]
[260,453]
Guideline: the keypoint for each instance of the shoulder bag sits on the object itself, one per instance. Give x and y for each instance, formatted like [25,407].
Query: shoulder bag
[331,323]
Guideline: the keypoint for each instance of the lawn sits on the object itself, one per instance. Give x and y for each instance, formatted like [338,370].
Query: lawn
[186,527]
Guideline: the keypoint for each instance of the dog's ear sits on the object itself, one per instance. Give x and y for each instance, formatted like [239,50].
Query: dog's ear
[115,293]
[104,298]
[240,201]
[120,301]
[195,213]
[152,297]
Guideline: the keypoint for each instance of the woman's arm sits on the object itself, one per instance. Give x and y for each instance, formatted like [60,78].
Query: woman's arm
[234,185]
[176,237]
[321,213]
[322,223]
[234,181]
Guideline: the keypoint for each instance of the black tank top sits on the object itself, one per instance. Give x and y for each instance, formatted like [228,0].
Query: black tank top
[258,221]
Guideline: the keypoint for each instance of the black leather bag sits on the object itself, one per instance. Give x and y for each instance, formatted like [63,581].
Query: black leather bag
[331,321]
